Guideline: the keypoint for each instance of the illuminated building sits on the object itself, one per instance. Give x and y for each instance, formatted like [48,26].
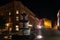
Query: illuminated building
[58,19]
[55,26]
[47,23]
[44,23]
[12,13]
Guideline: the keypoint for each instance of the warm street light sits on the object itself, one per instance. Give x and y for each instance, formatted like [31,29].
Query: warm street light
[7,24]
[55,27]
[47,23]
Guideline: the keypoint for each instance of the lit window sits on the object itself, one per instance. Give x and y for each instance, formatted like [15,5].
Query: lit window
[17,18]
[5,37]
[9,13]
[17,29]
[17,12]
[7,24]
[10,29]
[17,26]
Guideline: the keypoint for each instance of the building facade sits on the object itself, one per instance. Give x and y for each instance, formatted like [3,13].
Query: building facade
[47,23]
[44,23]
[58,19]
[12,13]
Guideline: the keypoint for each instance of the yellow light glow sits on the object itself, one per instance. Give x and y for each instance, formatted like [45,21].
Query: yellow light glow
[17,26]
[10,29]
[9,13]
[7,24]
[29,25]
[17,29]
[47,24]
[17,12]
[55,27]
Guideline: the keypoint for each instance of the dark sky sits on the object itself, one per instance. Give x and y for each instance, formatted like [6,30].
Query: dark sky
[42,8]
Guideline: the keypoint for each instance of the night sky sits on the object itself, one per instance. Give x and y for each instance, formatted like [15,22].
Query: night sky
[42,8]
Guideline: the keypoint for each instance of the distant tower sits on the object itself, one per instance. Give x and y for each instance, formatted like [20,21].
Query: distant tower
[58,19]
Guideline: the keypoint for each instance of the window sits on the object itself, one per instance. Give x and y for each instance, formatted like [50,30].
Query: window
[17,27]
[17,18]
[9,13]
[17,12]
[10,29]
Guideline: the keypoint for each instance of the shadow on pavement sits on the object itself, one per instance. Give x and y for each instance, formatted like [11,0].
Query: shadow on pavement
[24,37]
